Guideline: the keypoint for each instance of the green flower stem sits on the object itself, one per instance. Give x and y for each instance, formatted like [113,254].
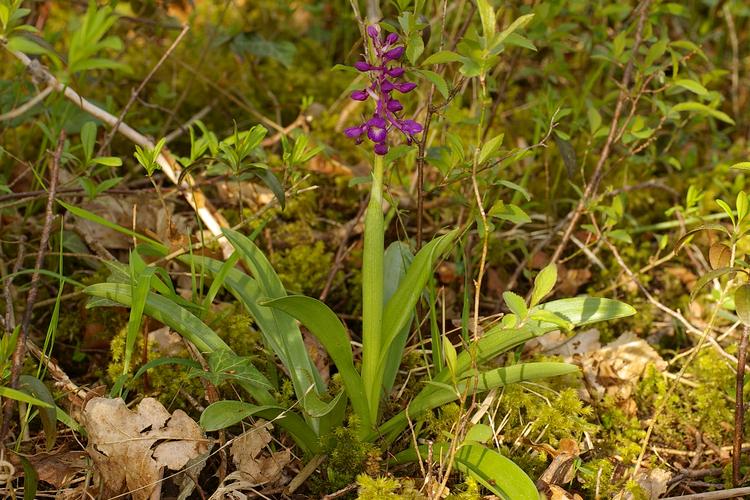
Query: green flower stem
[372,289]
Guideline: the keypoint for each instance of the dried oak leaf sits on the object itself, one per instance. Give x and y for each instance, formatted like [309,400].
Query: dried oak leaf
[247,455]
[131,448]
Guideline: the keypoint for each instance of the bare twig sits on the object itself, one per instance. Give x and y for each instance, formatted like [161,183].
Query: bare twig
[15,113]
[596,177]
[734,42]
[714,495]
[739,407]
[422,143]
[136,92]
[195,198]
[10,315]
[19,353]
[182,128]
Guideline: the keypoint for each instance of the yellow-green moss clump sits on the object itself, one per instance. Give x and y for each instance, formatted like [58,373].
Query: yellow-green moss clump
[165,384]
[377,488]
[706,405]
[348,456]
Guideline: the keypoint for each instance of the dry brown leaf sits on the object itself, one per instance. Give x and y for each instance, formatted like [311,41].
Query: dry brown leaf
[254,466]
[653,482]
[571,280]
[612,370]
[130,449]
[150,220]
[57,468]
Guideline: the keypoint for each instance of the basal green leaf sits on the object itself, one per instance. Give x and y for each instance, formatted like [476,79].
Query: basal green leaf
[328,329]
[495,472]
[36,388]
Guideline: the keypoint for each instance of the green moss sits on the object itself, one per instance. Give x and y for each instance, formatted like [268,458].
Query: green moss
[348,456]
[440,423]
[304,268]
[547,419]
[597,478]
[469,490]
[163,384]
[377,488]
[706,404]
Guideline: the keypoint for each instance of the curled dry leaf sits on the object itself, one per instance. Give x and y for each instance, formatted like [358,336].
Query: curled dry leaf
[653,484]
[130,449]
[254,467]
[613,369]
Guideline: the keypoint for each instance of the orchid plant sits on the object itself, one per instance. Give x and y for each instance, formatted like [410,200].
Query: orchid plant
[393,282]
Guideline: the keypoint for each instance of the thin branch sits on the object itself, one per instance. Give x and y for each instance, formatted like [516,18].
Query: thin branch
[136,92]
[596,177]
[714,495]
[15,113]
[182,128]
[739,407]
[195,198]
[19,354]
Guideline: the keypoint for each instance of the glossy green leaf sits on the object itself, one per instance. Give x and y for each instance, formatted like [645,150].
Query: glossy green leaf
[396,261]
[487,16]
[517,24]
[587,310]
[399,310]
[279,329]
[543,283]
[179,319]
[30,478]
[692,86]
[710,276]
[48,414]
[516,304]
[435,79]
[88,139]
[450,356]
[480,433]
[331,333]
[495,472]
[490,147]
[727,209]
[17,395]
[92,217]
[439,393]
[696,107]
[223,414]
[140,294]
[742,303]
[704,227]
[510,212]
[442,57]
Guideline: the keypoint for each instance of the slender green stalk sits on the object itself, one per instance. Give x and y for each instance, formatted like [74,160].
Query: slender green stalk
[372,289]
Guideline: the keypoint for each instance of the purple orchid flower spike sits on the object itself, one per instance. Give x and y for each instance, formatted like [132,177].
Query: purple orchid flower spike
[384,78]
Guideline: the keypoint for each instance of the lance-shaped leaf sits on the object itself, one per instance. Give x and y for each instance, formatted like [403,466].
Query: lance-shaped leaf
[328,329]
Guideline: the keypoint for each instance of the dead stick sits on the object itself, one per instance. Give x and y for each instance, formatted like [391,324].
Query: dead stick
[596,177]
[195,198]
[19,354]
[714,495]
[739,407]
[136,92]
